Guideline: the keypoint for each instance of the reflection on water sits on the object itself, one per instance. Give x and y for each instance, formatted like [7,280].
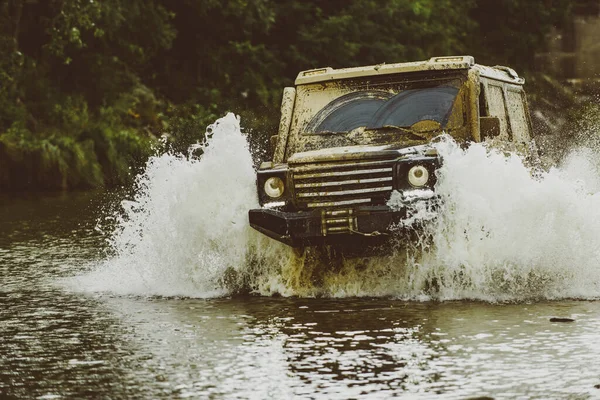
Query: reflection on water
[59,343]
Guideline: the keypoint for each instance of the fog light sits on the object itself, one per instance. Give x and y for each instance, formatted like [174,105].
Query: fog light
[274,187]
[418,176]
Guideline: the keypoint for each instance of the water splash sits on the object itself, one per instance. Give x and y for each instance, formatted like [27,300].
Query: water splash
[187,223]
[507,232]
[501,232]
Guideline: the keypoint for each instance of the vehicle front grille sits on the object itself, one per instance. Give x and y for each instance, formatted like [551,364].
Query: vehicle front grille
[336,185]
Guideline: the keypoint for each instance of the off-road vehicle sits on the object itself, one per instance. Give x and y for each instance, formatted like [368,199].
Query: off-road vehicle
[349,138]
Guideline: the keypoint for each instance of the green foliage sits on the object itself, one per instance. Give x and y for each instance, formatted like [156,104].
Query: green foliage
[186,124]
[71,114]
[362,31]
[510,32]
[86,86]
[29,163]
[120,153]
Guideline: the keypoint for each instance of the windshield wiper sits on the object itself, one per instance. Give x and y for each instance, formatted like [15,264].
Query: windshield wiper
[358,131]
[345,135]
[395,128]
[329,133]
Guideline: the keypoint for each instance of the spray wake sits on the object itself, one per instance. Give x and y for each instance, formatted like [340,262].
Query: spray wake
[187,223]
[501,232]
[506,232]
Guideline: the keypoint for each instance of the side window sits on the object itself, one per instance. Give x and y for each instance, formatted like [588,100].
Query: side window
[517,116]
[496,107]
[483,108]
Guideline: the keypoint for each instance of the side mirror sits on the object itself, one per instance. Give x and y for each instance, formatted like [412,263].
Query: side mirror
[489,127]
[273,144]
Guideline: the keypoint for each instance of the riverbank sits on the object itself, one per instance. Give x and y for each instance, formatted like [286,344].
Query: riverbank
[102,151]
[97,159]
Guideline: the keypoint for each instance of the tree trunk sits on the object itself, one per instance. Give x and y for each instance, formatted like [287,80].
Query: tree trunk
[17,6]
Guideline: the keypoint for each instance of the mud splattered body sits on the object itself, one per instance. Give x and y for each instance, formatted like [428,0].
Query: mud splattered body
[351,139]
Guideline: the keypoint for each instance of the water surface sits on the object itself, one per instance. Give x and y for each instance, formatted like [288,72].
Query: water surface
[59,342]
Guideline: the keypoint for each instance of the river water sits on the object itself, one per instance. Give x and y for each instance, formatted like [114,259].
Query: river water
[140,299]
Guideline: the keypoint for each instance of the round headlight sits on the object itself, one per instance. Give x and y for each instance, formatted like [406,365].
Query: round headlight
[418,176]
[274,187]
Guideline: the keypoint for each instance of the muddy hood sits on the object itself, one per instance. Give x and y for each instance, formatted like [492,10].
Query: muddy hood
[357,153]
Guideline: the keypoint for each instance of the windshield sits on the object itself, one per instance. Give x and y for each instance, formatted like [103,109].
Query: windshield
[374,109]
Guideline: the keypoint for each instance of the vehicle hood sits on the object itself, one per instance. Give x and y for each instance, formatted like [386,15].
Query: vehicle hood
[345,153]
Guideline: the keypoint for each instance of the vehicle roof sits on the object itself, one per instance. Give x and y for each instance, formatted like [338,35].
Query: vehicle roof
[433,64]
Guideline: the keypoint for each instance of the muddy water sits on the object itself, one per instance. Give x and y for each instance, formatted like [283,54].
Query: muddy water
[60,342]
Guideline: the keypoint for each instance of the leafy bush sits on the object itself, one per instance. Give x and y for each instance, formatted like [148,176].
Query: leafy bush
[86,87]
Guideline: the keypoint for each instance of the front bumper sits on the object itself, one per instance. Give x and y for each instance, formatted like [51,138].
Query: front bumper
[320,227]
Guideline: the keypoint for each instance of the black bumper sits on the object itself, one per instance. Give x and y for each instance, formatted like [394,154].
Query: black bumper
[299,229]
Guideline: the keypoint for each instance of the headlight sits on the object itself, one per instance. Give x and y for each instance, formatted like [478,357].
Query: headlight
[418,176]
[274,187]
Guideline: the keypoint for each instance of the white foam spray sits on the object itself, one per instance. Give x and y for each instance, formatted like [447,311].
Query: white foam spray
[187,223]
[505,232]
[501,232]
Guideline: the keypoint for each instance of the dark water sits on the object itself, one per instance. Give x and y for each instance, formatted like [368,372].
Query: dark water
[60,343]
